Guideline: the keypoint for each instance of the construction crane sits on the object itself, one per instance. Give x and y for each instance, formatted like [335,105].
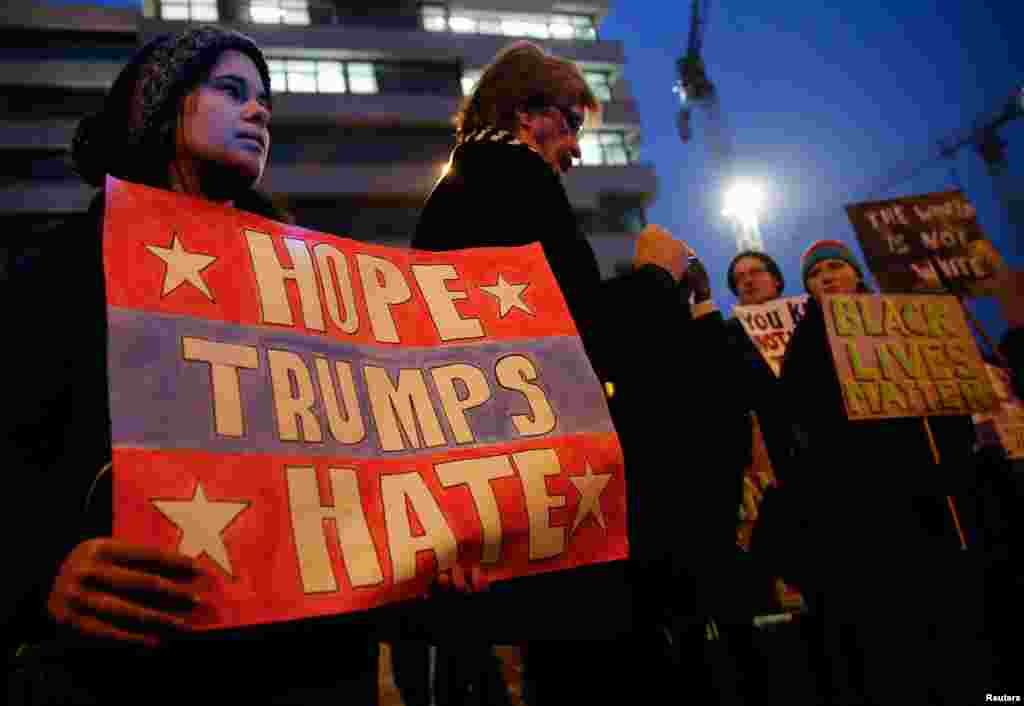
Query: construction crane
[696,91]
[693,86]
[983,135]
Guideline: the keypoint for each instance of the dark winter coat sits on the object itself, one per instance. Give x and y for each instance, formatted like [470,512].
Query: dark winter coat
[56,444]
[636,331]
[861,493]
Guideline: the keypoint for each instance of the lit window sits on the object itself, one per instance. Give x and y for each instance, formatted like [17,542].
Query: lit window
[278,82]
[437,18]
[461,23]
[607,148]
[433,18]
[583,27]
[524,28]
[361,78]
[301,76]
[293,12]
[600,84]
[561,27]
[614,146]
[590,149]
[195,10]
[470,77]
[330,77]
[321,76]
[489,25]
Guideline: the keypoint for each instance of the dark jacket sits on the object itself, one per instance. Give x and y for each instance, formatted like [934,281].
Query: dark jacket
[56,444]
[636,333]
[860,493]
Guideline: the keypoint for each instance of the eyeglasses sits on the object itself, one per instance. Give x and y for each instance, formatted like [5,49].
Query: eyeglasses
[573,120]
[744,275]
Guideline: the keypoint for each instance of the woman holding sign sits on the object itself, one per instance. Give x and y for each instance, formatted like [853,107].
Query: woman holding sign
[870,539]
[94,619]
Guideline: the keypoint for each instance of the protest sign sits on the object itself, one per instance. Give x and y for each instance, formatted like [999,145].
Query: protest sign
[908,242]
[1005,426]
[905,356]
[326,423]
[771,325]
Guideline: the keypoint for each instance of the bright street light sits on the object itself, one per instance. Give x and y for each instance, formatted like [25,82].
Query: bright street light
[741,204]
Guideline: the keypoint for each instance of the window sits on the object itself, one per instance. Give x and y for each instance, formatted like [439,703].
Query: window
[469,80]
[289,12]
[438,18]
[361,78]
[600,83]
[194,10]
[607,148]
[321,76]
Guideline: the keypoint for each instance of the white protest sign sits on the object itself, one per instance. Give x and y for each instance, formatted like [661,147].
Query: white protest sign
[771,325]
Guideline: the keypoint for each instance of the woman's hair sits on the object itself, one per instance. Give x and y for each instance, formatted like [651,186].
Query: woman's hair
[522,77]
[133,136]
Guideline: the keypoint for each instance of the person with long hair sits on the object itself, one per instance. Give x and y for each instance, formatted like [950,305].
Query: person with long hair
[90,618]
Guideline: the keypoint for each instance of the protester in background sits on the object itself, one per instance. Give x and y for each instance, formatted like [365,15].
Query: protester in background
[517,135]
[868,536]
[100,620]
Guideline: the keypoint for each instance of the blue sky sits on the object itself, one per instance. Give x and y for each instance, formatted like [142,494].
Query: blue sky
[821,102]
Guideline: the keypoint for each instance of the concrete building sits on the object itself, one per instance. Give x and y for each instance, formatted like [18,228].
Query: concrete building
[364,95]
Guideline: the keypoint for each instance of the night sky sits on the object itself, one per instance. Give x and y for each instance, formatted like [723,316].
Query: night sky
[821,104]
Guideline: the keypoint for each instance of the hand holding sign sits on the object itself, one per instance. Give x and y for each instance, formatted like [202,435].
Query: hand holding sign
[113,589]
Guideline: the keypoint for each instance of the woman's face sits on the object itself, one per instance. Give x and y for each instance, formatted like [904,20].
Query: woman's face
[832,277]
[226,120]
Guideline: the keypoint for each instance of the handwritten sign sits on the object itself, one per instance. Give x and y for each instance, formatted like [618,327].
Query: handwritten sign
[327,423]
[906,356]
[771,325]
[1004,427]
[909,242]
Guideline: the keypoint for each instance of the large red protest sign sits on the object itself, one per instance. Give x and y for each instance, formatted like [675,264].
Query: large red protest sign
[905,356]
[326,423]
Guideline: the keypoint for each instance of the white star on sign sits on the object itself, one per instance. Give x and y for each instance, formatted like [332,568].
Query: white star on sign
[201,523]
[182,266]
[510,296]
[590,487]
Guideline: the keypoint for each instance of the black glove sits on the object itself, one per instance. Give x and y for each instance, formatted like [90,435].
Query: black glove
[698,280]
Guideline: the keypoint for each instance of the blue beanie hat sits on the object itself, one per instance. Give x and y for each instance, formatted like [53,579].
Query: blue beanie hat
[827,250]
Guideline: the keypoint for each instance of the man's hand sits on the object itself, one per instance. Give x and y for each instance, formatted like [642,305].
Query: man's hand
[114,589]
[700,283]
[656,246]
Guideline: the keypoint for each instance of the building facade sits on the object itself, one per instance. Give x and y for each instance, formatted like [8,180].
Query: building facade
[363,106]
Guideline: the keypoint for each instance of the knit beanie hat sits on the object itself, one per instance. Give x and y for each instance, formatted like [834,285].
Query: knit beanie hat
[133,136]
[827,250]
[768,262]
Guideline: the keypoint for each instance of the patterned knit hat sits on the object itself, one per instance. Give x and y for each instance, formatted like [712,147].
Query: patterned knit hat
[766,260]
[133,136]
[827,250]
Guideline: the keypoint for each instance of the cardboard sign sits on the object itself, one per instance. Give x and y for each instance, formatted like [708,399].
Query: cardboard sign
[327,423]
[905,356]
[771,325]
[909,242]
[1005,426]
